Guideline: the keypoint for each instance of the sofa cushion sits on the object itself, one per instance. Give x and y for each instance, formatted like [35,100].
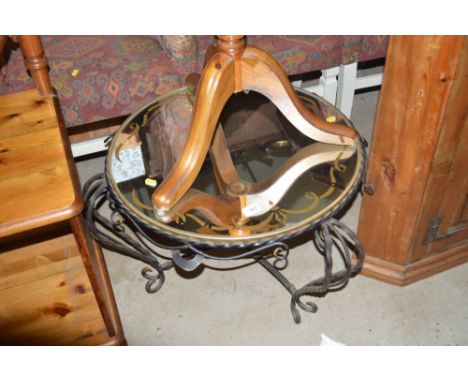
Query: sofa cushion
[302,54]
[296,54]
[99,77]
[102,77]
[373,47]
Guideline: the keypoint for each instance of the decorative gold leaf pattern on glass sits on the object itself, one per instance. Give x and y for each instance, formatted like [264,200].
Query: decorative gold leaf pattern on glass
[139,203]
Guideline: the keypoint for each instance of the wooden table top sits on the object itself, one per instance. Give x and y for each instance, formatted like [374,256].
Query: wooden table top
[36,186]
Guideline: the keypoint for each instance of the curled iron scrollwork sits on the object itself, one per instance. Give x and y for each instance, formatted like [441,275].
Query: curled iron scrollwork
[331,234]
[280,255]
[112,233]
[154,281]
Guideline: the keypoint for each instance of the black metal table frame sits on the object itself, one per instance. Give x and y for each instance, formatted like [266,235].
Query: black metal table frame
[141,244]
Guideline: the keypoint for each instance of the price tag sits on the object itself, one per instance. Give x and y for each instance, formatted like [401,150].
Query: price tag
[251,209]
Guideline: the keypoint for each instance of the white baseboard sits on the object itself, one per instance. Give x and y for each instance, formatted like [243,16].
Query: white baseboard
[88,147]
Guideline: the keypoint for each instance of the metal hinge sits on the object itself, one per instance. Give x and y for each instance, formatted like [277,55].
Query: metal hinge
[432,228]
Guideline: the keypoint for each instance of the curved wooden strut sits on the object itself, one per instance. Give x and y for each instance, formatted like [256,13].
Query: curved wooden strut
[232,68]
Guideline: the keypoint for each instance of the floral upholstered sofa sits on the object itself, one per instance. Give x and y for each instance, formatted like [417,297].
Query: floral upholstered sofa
[103,77]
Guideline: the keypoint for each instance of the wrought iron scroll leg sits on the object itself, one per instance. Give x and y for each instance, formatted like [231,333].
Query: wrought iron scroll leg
[94,191]
[288,286]
[334,233]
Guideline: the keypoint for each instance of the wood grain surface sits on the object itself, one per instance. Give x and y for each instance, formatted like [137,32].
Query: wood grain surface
[417,165]
[35,183]
[46,297]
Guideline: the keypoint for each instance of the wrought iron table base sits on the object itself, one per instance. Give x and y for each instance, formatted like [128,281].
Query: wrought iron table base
[273,256]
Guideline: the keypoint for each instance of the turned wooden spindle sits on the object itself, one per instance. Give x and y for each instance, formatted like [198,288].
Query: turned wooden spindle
[233,46]
[36,62]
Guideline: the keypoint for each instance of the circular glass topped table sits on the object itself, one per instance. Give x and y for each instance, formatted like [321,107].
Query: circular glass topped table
[261,141]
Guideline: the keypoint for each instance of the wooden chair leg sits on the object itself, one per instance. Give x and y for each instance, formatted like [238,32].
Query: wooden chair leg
[261,73]
[215,87]
[36,62]
[223,166]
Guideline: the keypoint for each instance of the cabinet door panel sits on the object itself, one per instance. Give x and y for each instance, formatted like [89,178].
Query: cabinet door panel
[449,174]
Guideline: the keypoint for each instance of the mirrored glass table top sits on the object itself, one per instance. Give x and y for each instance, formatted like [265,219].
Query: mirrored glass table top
[260,140]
